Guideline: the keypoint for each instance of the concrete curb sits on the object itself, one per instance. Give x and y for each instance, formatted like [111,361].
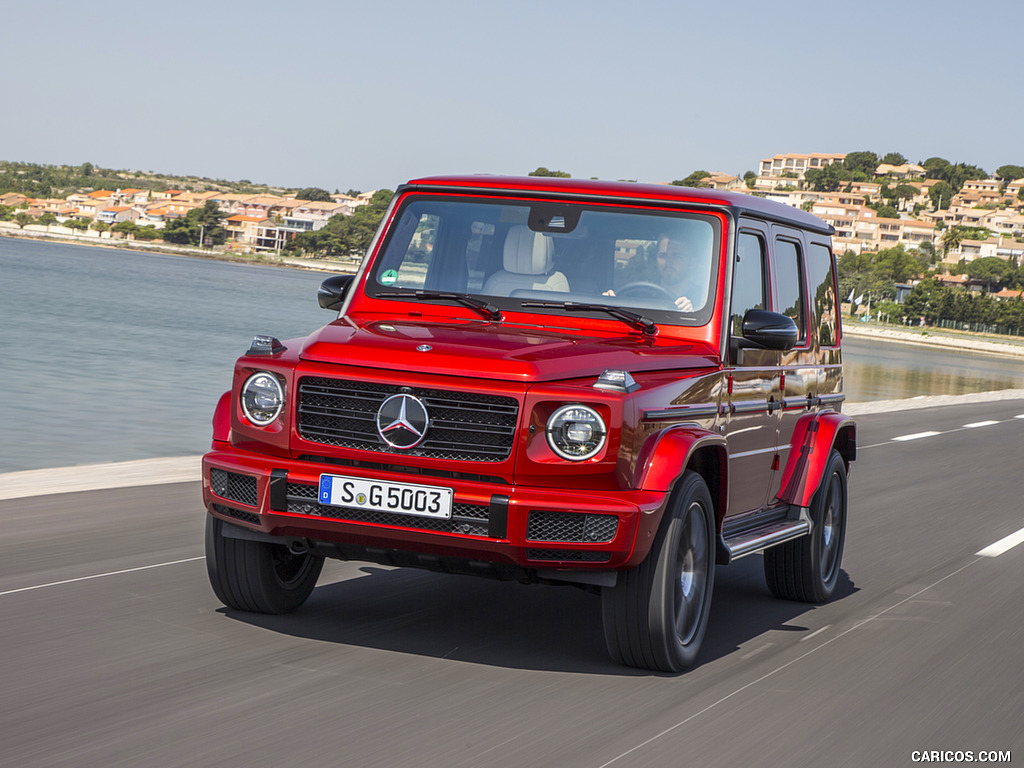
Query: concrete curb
[937,339]
[95,477]
[183,469]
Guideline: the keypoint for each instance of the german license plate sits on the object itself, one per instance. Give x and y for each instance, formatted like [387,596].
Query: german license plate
[399,498]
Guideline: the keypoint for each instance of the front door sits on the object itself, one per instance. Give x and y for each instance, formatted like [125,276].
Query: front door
[752,383]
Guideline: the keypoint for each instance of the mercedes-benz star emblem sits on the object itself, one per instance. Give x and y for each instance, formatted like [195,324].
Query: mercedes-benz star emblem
[402,421]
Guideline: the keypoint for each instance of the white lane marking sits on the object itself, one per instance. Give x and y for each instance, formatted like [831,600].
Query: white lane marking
[915,436]
[815,632]
[1019,416]
[756,651]
[977,424]
[102,575]
[1003,545]
[788,664]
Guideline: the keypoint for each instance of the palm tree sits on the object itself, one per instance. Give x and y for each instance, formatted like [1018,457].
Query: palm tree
[951,239]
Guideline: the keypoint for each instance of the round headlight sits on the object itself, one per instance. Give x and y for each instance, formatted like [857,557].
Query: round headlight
[576,432]
[262,398]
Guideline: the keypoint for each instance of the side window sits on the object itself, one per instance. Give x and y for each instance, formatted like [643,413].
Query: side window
[790,284]
[747,279]
[823,293]
[411,270]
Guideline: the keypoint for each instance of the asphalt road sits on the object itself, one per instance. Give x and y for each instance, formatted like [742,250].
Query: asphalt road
[114,651]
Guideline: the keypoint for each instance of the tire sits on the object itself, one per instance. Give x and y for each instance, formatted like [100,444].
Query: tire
[656,614]
[807,569]
[256,576]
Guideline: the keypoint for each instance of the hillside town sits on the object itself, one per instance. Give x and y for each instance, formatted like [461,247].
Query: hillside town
[993,204]
[253,223]
[261,223]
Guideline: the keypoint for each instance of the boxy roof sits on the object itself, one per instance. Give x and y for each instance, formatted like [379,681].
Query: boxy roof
[628,192]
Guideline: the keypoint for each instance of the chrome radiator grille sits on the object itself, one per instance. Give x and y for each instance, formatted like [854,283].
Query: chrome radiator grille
[464,426]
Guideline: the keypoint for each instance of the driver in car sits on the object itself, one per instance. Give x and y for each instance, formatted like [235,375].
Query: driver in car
[673,273]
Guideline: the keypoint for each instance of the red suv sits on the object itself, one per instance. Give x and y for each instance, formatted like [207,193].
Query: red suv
[611,385]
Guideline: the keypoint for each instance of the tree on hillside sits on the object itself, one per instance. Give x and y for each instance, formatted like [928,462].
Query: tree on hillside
[542,171]
[951,239]
[750,178]
[345,235]
[953,174]
[827,178]
[695,179]
[22,219]
[993,270]
[125,228]
[1010,172]
[904,192]
[99,226]
[865,162]
[314,194]
[206,223]
[941,194]
[147,232]
[936,168]
[894,158]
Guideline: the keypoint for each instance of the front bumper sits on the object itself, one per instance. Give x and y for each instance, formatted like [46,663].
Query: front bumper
[493,522]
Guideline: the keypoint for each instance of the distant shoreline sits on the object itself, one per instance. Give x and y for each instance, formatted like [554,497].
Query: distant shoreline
[319,265]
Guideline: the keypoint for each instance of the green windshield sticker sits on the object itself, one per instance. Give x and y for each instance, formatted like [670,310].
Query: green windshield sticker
[389,277]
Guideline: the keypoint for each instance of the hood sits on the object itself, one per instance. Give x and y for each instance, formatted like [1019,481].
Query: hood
[506,352]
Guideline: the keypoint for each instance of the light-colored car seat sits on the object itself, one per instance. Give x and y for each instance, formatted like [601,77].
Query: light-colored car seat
[528,260]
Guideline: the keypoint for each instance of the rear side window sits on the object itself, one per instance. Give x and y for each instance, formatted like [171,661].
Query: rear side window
[823,293]
[790,284]
[748,279]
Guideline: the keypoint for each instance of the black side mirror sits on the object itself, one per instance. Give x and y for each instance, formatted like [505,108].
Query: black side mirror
[770,330]
[333,290]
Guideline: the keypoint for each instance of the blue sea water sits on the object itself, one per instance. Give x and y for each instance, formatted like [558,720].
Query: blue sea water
[113,355]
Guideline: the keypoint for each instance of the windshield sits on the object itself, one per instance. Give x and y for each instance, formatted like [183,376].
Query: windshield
[510,252]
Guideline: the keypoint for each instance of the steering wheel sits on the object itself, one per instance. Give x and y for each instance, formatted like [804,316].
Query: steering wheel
[645,290]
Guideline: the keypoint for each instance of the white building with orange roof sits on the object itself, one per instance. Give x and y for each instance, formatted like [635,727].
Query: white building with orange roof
[115,214]
[90,208]
[718,180]
[243,229]
[904,171]
[228,201]
[797,164]
[258,205]
[317,211]
[131,196]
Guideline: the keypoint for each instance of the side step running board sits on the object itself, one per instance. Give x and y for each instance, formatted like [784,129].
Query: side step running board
[732,546]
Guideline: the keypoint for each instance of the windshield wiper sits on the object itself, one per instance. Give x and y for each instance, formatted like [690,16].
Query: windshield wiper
[645,324]
[489,311]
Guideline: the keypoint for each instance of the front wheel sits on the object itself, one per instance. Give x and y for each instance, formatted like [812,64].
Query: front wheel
[807,569]
[656,614]
[258,576]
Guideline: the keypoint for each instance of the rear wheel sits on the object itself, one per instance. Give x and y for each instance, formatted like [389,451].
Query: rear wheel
[656,614]
[258,576]
[807,569]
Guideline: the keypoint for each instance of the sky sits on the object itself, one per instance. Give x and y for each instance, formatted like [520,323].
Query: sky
[369,95]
